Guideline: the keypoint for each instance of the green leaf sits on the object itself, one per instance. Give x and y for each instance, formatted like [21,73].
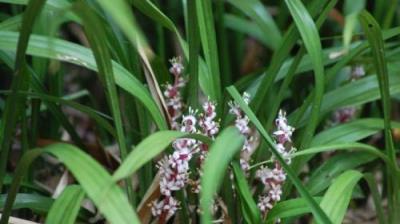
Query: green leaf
[375,39]
[289,208]
[66,207]
[322,176]
[352,94]
[250,207]
[15,103]
[94,30]
[205,21]
[194,47]
[315,208]
[344,146]
[309,34]
[244,26]
[372,184]
[226,145]
[282,53]
[374,36]
[149,148]
[265,23]
[35,202]
[351,11]
[66,51]
[95,181]
[337,198]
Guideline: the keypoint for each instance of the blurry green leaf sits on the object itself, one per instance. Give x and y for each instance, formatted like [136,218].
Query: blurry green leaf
[226,145]
[66,207]
[351,11]
[207,33]
[250,207]
[244,26]
[322,177]
[35,202]
[289,208]
[337,198]
[373,186]
[309,34]
[265,23]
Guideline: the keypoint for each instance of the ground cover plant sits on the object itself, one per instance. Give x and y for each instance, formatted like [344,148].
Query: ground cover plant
[211,111]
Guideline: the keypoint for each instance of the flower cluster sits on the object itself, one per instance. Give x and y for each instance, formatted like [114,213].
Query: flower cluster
[172,92]
[242,123]
[209,126]
[274,178]
[174,168]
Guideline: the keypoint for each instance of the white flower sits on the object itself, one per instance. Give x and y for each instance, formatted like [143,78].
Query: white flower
[234,109]
[244,164]
[284,131]
[243,125]
[264,203]
[275,192]
[157,207]
[209,110]
[264,174]
[278,175]
[176,66]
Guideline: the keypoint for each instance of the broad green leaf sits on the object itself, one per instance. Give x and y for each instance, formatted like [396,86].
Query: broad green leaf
[337,198]
[149,148]
[66,51]
[225,146]
[315,208]
[66,207]
[94,180]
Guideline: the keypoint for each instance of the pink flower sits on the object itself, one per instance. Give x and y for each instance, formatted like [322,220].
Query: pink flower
[274,178]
